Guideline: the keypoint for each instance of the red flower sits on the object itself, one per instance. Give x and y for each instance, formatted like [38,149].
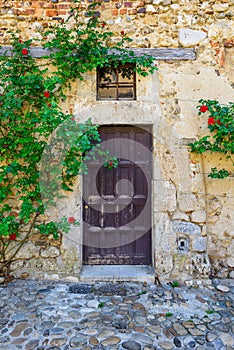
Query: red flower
[103,24]
[12,213]
[24,51]
[46,94]
[110,164]
[12,237]
[49,105]
[71,220]
[62,20]
[211,121]
[203,109]
[122,32]
[219,122]
[20,41]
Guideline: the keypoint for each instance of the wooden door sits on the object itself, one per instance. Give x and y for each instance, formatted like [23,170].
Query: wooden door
[117,214]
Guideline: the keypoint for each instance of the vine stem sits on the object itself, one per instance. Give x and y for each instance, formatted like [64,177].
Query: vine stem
[11,259]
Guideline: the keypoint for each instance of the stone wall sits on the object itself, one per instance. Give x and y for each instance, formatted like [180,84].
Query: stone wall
[193,232]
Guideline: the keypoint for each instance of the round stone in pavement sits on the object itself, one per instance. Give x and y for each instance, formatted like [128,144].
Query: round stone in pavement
[211,336]
[76,341]
[131,345]
[166,345]
[58,341]
[32,344]
[177,342]
[111,341]
[227,339]
[189,342]
[222,288]
[112,289]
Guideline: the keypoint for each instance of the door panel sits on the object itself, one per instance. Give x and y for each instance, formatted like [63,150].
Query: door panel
[117,220]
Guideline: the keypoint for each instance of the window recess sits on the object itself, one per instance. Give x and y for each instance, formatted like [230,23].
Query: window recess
[116,83]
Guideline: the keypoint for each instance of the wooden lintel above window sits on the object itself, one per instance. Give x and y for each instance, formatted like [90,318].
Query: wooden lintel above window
[167,54]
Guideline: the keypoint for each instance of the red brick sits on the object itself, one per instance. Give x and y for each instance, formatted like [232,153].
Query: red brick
[30,11]
[209,12]
[48,5]
[38,4]
[51,13]
[62,12]
[222,58]
[127,4]
[63,6]
[115,12]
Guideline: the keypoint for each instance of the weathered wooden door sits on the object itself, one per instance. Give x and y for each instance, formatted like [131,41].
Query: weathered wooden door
[117,202]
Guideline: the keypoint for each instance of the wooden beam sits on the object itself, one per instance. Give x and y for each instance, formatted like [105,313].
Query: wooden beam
[168,54]
[174,54]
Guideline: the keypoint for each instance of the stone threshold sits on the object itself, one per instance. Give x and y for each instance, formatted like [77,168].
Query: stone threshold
[117,273]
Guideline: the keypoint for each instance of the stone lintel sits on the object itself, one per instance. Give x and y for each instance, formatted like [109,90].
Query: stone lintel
[167,54]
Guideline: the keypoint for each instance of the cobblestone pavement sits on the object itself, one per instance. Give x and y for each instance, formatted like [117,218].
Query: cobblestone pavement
[56,315]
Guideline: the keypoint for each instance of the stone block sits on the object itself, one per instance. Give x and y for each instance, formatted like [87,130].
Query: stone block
[164,196]
[198,216]
[28,251]
[220,7]
[150,8]
[186,228]
[200,265]
[187,202]
[230,261]
[179,215]
[199,244]
[189,37]
[52,252]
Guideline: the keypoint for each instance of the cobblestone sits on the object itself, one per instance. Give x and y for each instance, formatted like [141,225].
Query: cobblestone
[55,315]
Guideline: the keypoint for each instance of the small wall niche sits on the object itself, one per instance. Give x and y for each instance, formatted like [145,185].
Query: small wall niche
[182,244]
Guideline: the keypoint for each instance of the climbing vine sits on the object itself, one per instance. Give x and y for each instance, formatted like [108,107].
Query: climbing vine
[30,95]
[220,122]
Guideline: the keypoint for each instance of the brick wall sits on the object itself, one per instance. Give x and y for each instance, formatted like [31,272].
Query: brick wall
[150,23]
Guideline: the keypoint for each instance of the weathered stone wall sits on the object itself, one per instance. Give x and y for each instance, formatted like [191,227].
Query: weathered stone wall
[193,231]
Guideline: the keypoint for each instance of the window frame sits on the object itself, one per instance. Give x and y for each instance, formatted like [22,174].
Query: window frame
[117,84]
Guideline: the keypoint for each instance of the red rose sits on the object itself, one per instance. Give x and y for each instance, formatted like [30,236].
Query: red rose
[203,109]
[20,41]
[49,105]
[111,164]
[24,51]
[71,220]
[12,237]
[12,213]
[211,121]
[62,20]
[46,94]
[219,122]
[103,24]
[122,32]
